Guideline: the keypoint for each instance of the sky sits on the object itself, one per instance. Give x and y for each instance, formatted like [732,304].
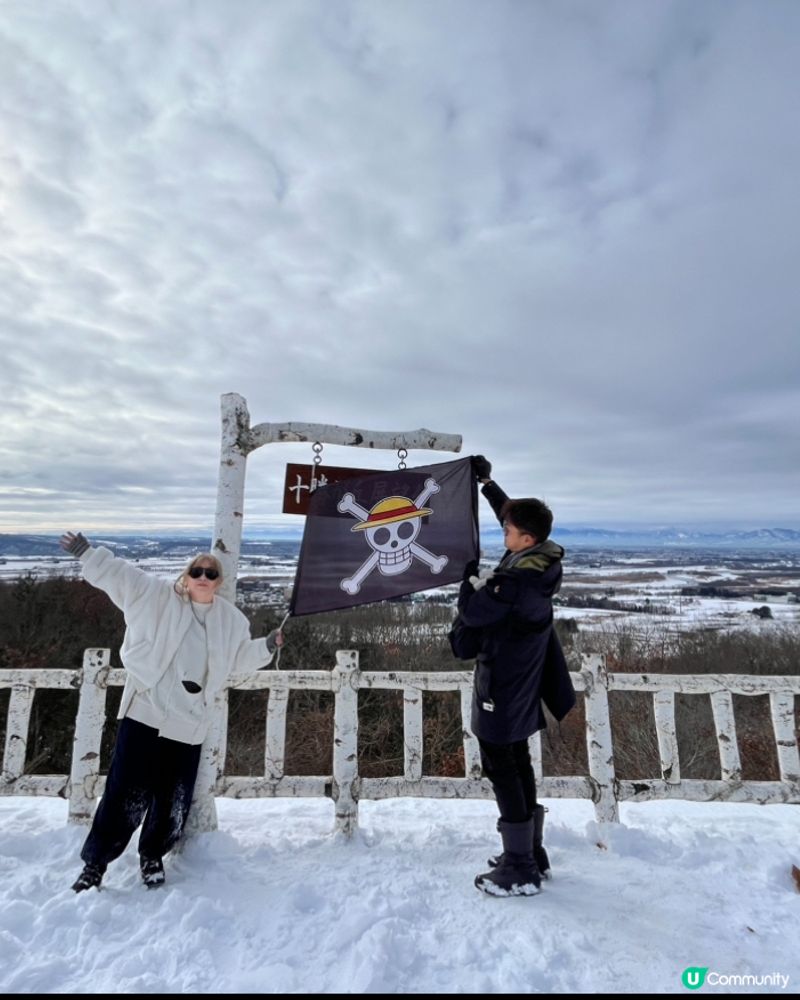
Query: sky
[274,902]
[566,231]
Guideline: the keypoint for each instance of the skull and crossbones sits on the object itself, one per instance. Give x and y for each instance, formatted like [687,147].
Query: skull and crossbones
[391,528]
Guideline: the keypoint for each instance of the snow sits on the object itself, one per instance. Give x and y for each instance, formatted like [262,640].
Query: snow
[273,902]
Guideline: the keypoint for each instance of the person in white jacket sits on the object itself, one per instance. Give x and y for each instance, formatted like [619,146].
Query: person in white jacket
[183,644]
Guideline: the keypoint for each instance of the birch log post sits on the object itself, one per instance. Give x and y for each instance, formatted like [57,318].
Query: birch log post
[598,740]
[19,715]
[725,725]
[666,733]
[783,721]
[228,519]
[412,733]
[85,771]
[345,741]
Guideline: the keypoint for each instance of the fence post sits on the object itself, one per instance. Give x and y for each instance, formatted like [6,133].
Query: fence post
[345,741]
[472,751]
[725,725]
[412,733]
[17,730]
[89,723]
[275,741]
[203,814]
[598,740]
[782,710]
[666,733]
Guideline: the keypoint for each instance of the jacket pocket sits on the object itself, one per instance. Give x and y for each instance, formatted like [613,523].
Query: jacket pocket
[483,679]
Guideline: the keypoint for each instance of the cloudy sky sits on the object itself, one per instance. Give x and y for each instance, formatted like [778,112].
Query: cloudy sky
[567,230]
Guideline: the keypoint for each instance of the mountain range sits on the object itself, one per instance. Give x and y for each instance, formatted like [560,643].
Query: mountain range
[266,541]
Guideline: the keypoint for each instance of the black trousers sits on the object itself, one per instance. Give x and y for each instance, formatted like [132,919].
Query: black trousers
[508,767]
[152,779]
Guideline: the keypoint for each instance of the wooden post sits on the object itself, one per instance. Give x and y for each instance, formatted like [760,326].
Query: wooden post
[85,771]
[725,725]
[345,741]
[472,750]
[664,711]
[17,727]
[782,709]
[412,733]
[275,741]
[598,740]
[234,448]
[203,815]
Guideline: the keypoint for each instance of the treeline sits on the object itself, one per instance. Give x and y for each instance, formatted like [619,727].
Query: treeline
[49,623]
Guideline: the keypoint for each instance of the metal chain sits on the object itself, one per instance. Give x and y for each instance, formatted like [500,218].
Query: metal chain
[402,455]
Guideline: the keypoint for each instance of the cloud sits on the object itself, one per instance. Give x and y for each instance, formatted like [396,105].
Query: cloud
[566,231]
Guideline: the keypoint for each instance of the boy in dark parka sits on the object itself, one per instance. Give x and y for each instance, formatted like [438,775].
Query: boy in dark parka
[519,664]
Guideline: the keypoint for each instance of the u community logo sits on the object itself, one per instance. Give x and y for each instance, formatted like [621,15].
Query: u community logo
[696,976]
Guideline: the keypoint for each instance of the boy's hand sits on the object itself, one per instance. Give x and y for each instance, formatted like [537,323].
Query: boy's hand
[482,467]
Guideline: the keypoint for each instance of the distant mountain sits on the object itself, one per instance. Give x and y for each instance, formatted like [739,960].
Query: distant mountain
[770,538]
[287,541]
[136,546]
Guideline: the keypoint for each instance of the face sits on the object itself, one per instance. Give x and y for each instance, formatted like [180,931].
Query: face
[202,590]
[515,539]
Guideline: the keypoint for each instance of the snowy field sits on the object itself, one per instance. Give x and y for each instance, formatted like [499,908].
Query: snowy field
[629,581]
[273,902]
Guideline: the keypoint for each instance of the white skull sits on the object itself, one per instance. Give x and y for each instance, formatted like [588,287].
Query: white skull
[392,542]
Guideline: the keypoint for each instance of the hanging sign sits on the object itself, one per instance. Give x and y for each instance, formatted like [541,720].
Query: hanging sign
[303,480]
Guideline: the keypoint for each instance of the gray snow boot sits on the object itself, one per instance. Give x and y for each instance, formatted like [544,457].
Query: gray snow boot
[539,853]
[517,874]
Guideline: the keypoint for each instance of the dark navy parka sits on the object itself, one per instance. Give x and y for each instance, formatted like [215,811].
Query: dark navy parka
[520,662]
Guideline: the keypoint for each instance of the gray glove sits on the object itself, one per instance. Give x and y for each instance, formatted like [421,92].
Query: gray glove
[76,545]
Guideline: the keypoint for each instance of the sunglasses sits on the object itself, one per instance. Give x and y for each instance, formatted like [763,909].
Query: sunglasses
[197,571]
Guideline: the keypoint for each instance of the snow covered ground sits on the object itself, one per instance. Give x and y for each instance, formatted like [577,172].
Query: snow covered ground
[274,902]
[627,584]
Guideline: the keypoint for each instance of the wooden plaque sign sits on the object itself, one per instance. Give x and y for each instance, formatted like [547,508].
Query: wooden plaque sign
[302,480]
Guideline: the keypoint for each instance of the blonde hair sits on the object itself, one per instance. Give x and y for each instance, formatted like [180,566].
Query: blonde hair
[180,584]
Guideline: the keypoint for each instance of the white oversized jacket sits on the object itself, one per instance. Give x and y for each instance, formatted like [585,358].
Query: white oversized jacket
[157,619]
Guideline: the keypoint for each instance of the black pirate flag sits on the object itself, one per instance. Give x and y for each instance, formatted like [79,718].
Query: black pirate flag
[385,535]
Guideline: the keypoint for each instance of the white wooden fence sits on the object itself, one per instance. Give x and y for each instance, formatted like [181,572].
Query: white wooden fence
[346,788]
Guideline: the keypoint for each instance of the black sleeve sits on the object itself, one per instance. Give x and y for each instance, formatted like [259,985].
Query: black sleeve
[491,603]
[495,496]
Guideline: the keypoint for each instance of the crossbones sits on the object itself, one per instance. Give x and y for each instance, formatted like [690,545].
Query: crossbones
[391,528]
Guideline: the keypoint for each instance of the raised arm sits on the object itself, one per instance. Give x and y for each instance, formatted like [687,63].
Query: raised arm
[482,468]
[123,583]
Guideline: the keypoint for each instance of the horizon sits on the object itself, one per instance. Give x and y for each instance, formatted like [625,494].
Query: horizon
[295,531]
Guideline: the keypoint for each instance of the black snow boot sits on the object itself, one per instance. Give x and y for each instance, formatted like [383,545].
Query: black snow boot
[539,853]
[517,874]
[152,870]
[90,877]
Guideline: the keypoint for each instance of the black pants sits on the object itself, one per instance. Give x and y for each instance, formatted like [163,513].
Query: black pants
[152,779]
[508,767]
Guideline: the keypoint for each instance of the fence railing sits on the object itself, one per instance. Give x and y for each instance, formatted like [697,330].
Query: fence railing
[347,788]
